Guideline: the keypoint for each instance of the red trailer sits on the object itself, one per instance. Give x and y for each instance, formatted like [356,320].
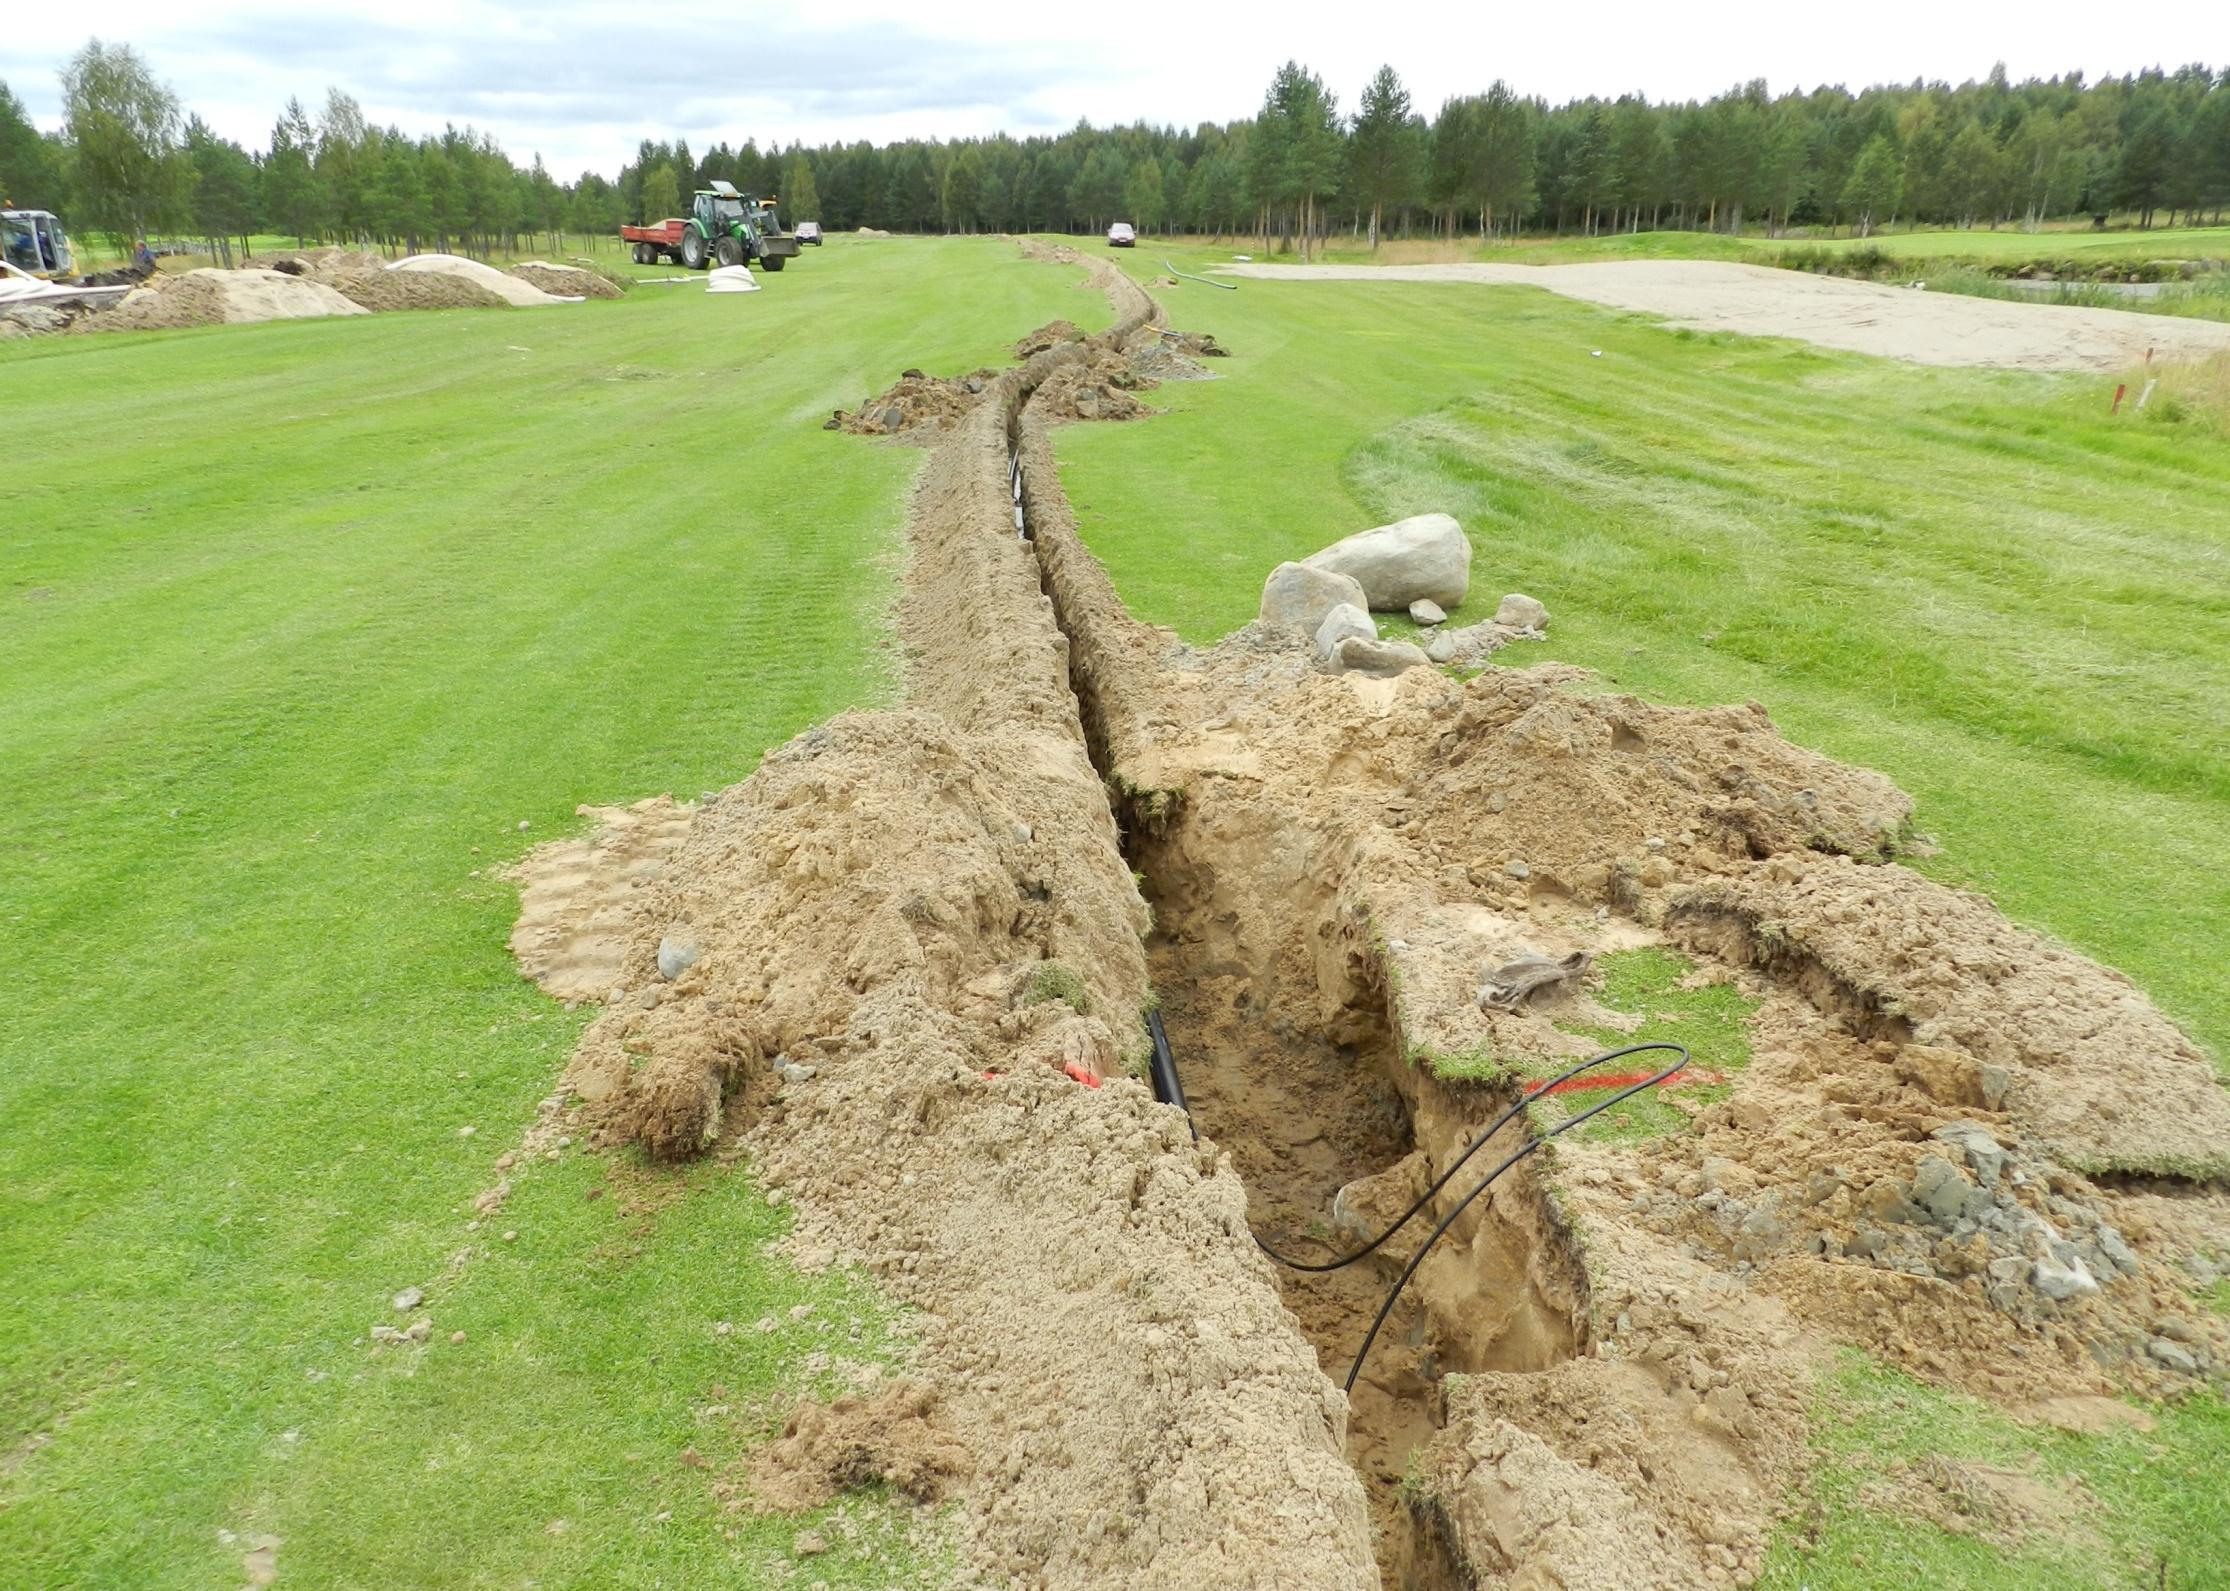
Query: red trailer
[655,243]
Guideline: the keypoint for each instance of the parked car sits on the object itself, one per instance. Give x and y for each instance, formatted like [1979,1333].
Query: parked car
[808,232]
[1122,236]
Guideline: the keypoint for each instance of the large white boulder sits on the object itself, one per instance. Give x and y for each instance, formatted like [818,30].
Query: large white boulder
[1296,597]
[1344,622]
[1424,556]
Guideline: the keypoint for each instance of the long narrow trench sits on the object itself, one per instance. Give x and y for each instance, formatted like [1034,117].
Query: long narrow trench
[1334,1135]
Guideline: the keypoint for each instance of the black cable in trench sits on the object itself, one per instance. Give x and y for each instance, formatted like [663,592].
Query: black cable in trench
[1170,1091]
[1564,1126]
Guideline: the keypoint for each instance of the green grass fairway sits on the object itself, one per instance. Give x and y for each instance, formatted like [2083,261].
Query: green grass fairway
[1977,582]
[300,625]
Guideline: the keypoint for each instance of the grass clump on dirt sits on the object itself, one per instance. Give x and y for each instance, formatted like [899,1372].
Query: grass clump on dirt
[1711,1019]
[2029,1506]
[286,674]
[1050,981]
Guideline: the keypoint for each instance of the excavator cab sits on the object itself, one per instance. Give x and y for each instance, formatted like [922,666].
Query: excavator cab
[33,241]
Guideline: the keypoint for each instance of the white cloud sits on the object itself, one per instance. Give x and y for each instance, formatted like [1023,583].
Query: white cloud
[583,82]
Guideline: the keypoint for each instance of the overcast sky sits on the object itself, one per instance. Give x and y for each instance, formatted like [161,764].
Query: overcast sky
[582,82]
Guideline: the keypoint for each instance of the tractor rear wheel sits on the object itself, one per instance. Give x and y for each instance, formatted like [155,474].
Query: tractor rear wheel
[770,262]
[692,251]
[729,251]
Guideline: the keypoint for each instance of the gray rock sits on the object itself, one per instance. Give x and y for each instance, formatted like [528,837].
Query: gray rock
[796,1071]
[2175,1358]
[1820,1187]
[676,955]
[1376,659]
[1995,1081]
[1521,612]
[1973,1140]
[1939,1189]
[1441,648]
[1426,555]
[1426,611]
[409,1299]
[1343,620]
[2060,1282]
[1516,868]
[1296,597]
[2009,1268]
[38,318]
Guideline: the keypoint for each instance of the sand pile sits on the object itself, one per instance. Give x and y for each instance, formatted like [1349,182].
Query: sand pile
[508,288]
[364,279]
[566,281]
[915,402]
[213,297]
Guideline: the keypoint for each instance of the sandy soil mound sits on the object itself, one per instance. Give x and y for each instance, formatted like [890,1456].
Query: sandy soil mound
[566,281]
[1050,335]
[213,297]
[1104,387]
[581,901]
[364,279]
[1835,312]
[915,402]
[508,288]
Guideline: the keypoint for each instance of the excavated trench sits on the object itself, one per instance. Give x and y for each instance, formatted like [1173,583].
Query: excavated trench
[1333,1132]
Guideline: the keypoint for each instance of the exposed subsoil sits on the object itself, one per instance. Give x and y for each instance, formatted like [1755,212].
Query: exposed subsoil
[902,969]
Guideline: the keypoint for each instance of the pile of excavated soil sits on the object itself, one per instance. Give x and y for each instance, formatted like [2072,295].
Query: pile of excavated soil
[1050,335]
[566,281]
[364,279]
[916,403]
[1104,386]
[212,297]
[508,288]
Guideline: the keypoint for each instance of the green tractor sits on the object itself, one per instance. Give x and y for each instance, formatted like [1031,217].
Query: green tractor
[729,228]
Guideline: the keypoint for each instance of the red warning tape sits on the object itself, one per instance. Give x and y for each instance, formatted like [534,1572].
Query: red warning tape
[1575,1085]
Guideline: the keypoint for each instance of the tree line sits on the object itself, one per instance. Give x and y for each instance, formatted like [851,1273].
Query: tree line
[131,161]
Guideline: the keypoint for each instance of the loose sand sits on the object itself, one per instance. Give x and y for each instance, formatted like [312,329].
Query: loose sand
[1861,317]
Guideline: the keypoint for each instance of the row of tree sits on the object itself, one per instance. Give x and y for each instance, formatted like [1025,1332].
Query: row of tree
[130,160]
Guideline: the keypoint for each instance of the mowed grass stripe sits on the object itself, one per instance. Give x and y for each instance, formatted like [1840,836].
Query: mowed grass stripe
[297,623]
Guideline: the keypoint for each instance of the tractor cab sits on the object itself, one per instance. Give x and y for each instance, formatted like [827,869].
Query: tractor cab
[33,241]
[719,210]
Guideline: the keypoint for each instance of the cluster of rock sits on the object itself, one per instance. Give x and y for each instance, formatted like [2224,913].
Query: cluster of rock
[1420,566]
[1972,1206]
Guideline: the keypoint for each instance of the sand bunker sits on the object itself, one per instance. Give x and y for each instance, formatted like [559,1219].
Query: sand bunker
[508,288]
[1834,312]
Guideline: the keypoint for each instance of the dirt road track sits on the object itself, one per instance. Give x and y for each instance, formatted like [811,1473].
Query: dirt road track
[1860,317]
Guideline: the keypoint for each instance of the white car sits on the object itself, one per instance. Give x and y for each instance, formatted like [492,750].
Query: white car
[1122,236]
[808,232]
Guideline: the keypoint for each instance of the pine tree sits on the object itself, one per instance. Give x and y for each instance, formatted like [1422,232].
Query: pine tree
[1385,152]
